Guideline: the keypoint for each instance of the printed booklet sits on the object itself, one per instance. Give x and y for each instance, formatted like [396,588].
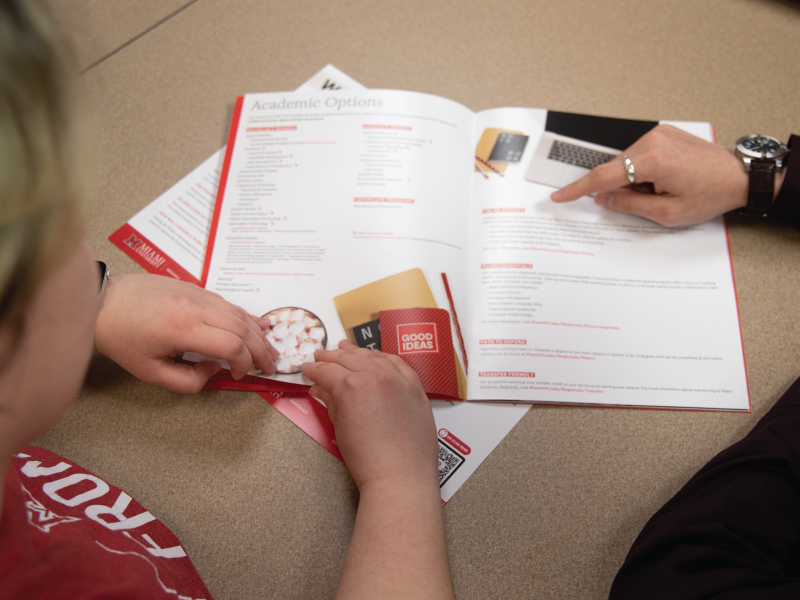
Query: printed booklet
[336,212]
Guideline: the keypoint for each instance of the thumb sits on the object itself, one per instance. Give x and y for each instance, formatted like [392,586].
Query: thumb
[661,209]
[179,377]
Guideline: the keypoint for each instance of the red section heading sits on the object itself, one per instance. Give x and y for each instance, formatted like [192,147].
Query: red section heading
[398,127]
[503,342]
[506,374]
[506,266]
[454,441]
[388,200]
[488,211]
[283,128]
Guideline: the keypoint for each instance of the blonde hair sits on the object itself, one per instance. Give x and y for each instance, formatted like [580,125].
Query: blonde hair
[41,198]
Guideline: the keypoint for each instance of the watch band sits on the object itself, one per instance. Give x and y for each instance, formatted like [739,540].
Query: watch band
[787,202]
[761,190]
[105,275]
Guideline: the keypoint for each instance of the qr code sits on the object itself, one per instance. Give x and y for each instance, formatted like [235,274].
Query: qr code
[449,461]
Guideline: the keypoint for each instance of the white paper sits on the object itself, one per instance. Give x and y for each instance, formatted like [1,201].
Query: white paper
[574,303]
[480,426]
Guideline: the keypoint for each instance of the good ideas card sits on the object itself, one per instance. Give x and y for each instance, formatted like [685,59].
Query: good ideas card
[422,338]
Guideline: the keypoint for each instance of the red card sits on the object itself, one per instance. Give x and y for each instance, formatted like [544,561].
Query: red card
[422,338]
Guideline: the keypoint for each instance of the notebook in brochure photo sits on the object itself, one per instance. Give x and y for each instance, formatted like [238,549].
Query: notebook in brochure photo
[321,195]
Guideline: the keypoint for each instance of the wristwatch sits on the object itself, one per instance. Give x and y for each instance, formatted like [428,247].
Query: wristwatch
[762,156]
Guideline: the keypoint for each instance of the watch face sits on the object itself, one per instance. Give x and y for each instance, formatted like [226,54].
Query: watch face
[760,146]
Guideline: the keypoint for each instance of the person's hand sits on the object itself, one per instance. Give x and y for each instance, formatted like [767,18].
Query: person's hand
[686,180]
[146,320]
[385,430]
[383,419]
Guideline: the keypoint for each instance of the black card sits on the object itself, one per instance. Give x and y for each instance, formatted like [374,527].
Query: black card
[368,335]
[508,148]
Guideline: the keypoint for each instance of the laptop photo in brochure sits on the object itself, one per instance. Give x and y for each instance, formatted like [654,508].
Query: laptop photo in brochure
[572,145]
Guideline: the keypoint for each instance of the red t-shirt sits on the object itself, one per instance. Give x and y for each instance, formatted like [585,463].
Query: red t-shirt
[65,533]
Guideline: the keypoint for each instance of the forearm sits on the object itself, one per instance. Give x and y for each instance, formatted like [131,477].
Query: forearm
[399,548]
[384,425]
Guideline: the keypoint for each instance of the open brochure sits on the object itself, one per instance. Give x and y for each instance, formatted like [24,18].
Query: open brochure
[322,196]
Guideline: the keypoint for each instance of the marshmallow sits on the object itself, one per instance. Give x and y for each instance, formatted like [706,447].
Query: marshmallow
[296,327]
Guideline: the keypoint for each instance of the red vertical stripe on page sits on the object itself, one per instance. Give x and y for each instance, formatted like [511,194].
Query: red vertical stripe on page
[223,180]
[455,322]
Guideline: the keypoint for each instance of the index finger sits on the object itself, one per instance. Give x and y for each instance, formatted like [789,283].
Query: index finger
[380,358]
[353,358]
[254,350]
[608,176]
[216,301]
[325,374]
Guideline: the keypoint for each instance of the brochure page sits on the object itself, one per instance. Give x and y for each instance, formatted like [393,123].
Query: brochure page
[573,303]
[324,194]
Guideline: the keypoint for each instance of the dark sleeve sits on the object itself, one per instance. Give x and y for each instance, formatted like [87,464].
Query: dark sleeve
[733,531]
[787,204]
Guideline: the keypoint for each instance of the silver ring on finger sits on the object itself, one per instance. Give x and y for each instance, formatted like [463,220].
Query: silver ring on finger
[629,168]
